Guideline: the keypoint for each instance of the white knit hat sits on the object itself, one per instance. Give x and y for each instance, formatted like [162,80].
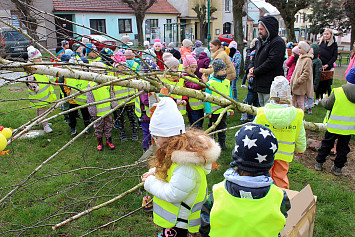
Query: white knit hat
[170,60]
[304,45]
[280,88]
[33,53]
[167,120]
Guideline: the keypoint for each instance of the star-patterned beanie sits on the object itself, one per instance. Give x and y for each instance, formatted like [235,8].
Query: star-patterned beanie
[218,65]
[255,148]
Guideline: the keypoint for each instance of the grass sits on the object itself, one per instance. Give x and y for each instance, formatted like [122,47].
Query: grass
[61,196]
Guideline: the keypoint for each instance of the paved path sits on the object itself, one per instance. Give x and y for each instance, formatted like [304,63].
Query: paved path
[339,72]
[10,75]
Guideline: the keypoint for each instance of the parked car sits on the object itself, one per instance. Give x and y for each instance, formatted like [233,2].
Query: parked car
[13,44]
[229,38]
[98,40]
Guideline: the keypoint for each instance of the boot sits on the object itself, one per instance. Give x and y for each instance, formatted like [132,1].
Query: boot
[123,136]
[100,145]
[109,143]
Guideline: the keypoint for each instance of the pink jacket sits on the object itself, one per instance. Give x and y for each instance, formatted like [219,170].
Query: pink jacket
[351,64]
[291,64]
[184,51]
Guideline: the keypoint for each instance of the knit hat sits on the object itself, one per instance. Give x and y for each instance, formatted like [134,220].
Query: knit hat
[75,47]
[157,40]
[64,42]
[151,64]
[233,45]
[304,45]
[128,53]
[224,44]
[167,120]
[157,44]
[255,148]
[198,43]
[146,43]
[188,61]
[65,58]
[33,53]
[289,45]
[59,50]
[350,77]
[119,57]
[187,43]
[171,45]
[280,88]
[106,51]
[218,65]
[296,50]
[89,48]
[69,51]
[170,60]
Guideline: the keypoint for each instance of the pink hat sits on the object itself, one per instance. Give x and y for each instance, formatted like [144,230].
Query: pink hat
[296,50]
[119,57]
[157,40]
[188,61]
[157,43]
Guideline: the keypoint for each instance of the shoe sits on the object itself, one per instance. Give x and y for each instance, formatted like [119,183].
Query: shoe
[318,166]
[123,137]
[244,86]
[109,143]
[316,102]
[47,129]
[100,145]
[134,136]
[243,117]
[336,171]
[309,111]
[72,131]
[147,207]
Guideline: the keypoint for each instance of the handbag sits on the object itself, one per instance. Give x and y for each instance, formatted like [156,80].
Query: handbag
[327,75]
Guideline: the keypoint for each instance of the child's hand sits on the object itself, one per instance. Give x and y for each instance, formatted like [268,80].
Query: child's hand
[204,78]
[145,176]
[181,102]
[231,113]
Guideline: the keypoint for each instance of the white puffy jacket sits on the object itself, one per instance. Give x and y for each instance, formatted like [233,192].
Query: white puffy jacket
[184,183]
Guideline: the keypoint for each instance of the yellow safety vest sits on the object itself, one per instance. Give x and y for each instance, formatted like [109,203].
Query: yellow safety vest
[102,93]
[342,117]
[165,214]
[181,67]
[233,216]
[180,83]
[80,84]
[120,91]
[44,94]
[286,137]
[194,103]
[223,87]
[94,59]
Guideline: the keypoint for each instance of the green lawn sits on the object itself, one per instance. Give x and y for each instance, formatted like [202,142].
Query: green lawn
[51,195]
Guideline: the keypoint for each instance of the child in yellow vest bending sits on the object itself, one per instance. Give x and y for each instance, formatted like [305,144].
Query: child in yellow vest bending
[286,122]
[178,179]
[247,203]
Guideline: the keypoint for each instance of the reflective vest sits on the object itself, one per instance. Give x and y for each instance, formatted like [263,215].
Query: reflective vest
[233,216]
[102,93]
[135,65]
[223,87]
[194,103]
[180,83]
[80,84]
[181,68]
[165,214]
[44,94]
[342,117]
[286,137]
[120,91]
[94,59]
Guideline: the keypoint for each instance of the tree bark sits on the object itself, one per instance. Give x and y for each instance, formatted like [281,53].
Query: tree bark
[238,30]
[139,21]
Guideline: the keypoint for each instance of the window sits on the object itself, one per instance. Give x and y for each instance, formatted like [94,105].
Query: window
[301,17]
[99,25]
[153,22]
[296,18]
[227,28]
[227,5]
[125,25]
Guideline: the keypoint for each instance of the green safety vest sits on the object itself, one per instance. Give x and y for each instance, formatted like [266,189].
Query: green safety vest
[223,87]
[44,94]
[233,216]
[120,91]
[165,214]
[94,59]
[80,84]
[286,137]
[180,83]
[181,67]
[135,66]
[102,93]
[342,117]
[194,103]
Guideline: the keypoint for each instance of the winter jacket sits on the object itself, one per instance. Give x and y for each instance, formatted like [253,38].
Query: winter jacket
[160,63]
[317,66]
[184,51]
[291,64]
[149,53]
[220,53]
[269,56]
[302,78]
[236,60]
[175,53]
[328,54]
[280,116]
[349,90]
[185,181]
[202,62]
[247,58]
[351,64]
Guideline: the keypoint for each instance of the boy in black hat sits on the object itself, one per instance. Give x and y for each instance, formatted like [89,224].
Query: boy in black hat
[247,203]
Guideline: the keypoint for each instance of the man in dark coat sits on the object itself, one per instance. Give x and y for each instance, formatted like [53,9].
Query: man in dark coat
[268,60]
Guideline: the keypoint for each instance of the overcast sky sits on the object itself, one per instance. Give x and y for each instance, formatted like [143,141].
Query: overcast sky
[268,6]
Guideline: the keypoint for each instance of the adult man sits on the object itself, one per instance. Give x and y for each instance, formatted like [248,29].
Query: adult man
[268,60]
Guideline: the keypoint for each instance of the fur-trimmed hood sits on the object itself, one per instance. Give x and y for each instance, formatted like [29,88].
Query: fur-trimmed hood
[212,153]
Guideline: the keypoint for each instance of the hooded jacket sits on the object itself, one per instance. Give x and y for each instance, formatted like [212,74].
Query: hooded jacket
[317,66]
[269,56]
[302,78]
[185,181]
[202,62]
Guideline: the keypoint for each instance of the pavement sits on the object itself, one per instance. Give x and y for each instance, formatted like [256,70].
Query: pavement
[10,75]
[339,72]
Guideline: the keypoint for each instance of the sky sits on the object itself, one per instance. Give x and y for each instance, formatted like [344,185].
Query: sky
[268,6]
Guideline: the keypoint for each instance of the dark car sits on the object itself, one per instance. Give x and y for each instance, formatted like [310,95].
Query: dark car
[13,44]
[98,40]
[229,38]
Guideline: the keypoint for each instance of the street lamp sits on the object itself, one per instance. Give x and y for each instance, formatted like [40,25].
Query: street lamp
[208,24]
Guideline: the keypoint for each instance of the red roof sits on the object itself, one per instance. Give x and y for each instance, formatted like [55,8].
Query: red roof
[117,6]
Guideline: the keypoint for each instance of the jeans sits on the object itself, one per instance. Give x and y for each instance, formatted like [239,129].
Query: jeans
[251,99]
[195,115]
[263,99]
[234,89]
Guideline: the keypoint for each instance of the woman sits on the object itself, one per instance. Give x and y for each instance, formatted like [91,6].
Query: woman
[218,52]
[328,53]
[352,60]
[236,58]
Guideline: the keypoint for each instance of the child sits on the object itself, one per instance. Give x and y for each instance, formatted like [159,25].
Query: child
[291,62]
[177,178]
[340,124]
[218,81]
[185,48]
[104,127]
[286,122]
[129,108]
[202,62]
[250,99]
[317,71]
[158,53]
[236,58]
[130,60]
[195,107]
[247,203]
[39,94]
[91,54]
[302,77]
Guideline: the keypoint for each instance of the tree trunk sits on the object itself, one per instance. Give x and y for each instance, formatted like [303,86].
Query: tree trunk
[290,30]
[238,30]
[139,21]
